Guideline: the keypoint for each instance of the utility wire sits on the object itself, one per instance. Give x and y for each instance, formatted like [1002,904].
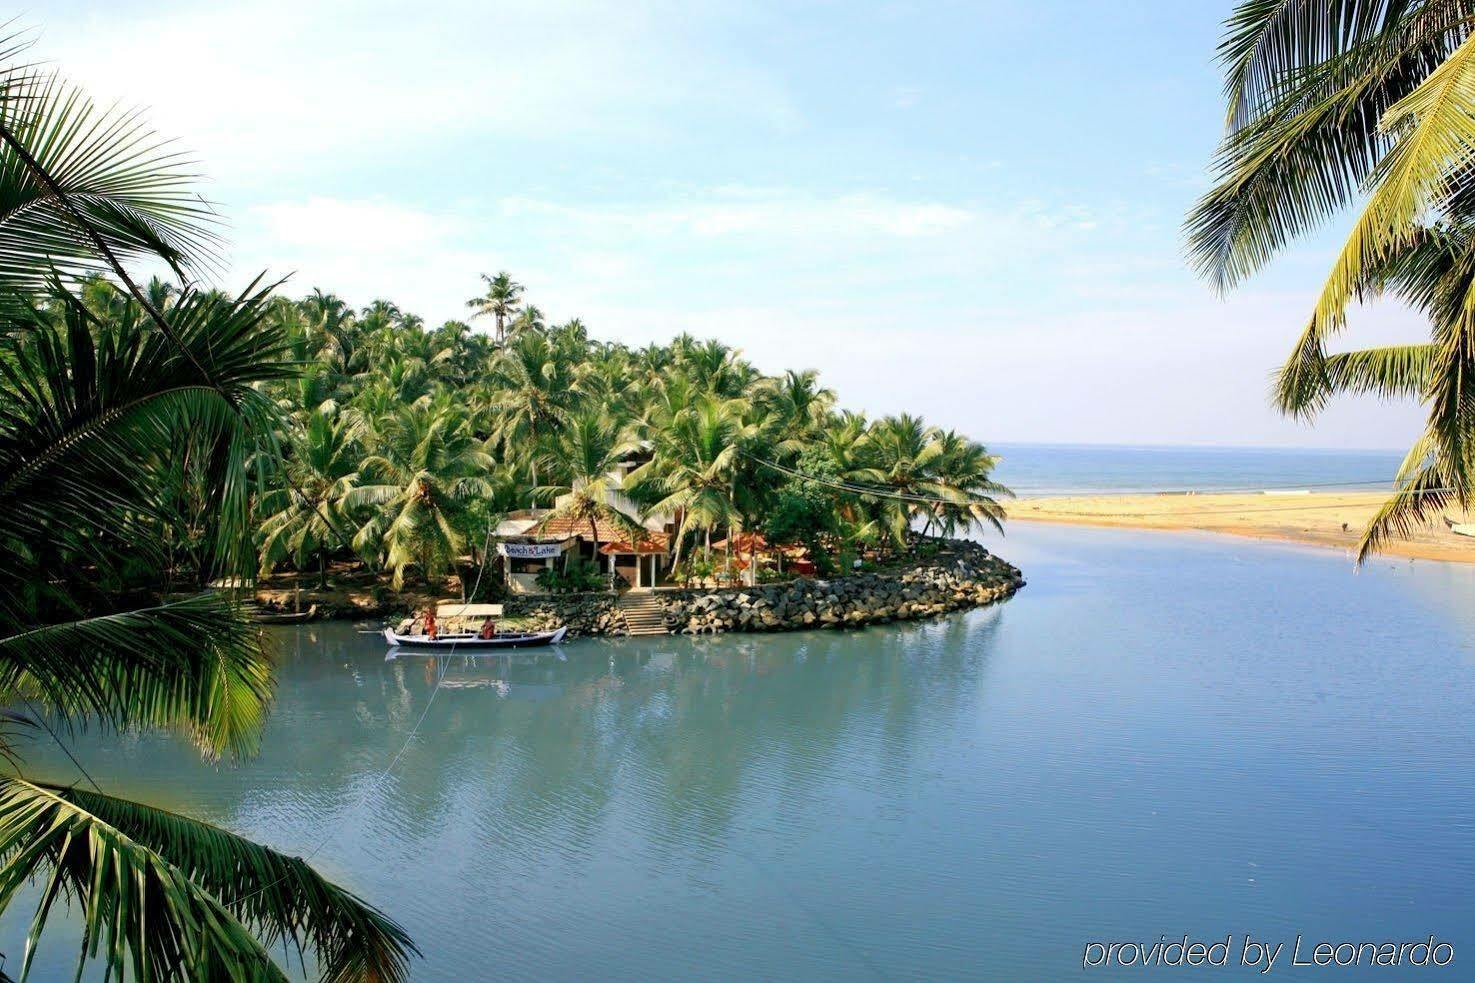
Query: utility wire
[61,744]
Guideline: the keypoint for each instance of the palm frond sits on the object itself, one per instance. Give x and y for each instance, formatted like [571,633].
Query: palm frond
[1389,372]
[1422,490]
[195,665]
[1436,141]
[62,157]
[164,896]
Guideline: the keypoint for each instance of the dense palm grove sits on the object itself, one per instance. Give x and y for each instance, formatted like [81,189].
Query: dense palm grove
[402,445]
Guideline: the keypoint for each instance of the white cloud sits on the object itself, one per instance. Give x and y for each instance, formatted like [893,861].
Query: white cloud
[266,88]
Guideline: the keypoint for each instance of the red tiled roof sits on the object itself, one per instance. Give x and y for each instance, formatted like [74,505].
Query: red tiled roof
[752,542]
[562,527]
[612,538]
[651,542]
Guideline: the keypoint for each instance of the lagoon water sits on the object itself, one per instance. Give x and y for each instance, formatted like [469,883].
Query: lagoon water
[1162,734]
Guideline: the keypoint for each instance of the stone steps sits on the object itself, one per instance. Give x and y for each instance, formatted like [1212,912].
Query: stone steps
[644,614]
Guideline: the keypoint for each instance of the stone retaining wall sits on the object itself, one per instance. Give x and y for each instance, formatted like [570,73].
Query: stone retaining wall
[962,575]
[585,614]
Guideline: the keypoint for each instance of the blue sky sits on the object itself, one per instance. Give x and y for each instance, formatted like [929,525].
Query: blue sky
[968,210]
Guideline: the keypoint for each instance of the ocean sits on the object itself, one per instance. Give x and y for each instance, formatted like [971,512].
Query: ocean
[1037,470]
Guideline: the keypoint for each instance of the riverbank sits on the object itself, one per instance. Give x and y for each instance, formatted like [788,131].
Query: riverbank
[935,577]
[956,574]
[1334,519]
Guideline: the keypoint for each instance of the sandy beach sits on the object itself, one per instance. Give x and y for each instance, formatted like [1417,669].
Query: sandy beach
[1333,519]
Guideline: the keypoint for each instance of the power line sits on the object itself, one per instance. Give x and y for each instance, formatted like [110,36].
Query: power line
[61,744]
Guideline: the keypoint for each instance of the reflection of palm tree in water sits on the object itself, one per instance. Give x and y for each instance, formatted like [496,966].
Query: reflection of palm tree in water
[681,734]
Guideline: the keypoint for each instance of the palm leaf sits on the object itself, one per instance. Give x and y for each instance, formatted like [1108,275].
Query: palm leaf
[1390,372]
[129,187]
[164,896]
[1436,127]
[195,665]
[1422,490]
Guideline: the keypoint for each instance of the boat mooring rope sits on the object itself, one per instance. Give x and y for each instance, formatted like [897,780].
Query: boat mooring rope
[373,786]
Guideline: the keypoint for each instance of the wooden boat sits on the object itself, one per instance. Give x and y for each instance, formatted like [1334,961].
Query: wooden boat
[470,642]
[1460,528]
[284,617]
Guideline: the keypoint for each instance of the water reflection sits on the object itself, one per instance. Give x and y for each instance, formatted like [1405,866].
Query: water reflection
[1160,734]
[533,740]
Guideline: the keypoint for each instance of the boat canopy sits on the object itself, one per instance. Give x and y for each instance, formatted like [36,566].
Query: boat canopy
[456,609]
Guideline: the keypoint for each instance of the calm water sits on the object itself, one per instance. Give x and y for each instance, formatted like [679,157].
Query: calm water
[1061,469]
[1160,734]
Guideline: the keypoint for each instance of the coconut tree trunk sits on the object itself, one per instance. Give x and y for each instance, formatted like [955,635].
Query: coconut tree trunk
[594,534]
[322,570]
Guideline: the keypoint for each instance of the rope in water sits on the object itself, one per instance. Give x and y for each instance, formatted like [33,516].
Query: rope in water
[373,786]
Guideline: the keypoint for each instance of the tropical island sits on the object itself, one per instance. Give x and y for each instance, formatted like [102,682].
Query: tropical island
[532,461]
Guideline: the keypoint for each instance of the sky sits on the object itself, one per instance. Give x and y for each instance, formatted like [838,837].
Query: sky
[970,211]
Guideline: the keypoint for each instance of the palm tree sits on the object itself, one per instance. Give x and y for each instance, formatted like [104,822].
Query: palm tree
[499,300]
[418,484]
[84,399]
[693,469]
[527,320]
[925,471]
[797,406]
[585,451]
[964,470]
[530,390]
[1330,102]
[307,519]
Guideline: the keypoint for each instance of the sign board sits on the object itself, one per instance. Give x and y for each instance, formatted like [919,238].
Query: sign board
[530,551]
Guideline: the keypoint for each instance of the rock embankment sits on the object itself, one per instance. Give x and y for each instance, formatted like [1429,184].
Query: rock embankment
[947,575]
[585,614]
[962,574]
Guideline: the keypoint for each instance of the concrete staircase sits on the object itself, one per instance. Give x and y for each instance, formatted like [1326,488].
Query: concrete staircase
[643,613]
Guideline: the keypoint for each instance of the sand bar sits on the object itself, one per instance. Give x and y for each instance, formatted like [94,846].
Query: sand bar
[1326,519]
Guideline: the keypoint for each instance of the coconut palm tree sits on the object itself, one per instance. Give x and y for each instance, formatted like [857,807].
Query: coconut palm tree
[964,468]
[1332,102]
[924,471]
[83,400]
[307,519]
[531,388]
[428,467]
[797,405]
[584,452]
[529,319]
[692,473]
[499,300]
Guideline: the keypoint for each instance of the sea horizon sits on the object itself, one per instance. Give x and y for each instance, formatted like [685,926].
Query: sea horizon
[1049,470]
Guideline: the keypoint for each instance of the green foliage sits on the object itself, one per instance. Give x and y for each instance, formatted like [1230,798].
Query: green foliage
[579,576]
[1337,104]
[131,424]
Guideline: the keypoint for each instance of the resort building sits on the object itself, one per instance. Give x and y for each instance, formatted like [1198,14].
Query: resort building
[636,552]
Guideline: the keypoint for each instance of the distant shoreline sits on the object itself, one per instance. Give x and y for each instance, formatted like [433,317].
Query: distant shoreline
[1317,518]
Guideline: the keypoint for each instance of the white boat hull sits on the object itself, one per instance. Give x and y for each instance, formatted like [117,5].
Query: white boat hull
[466,643]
